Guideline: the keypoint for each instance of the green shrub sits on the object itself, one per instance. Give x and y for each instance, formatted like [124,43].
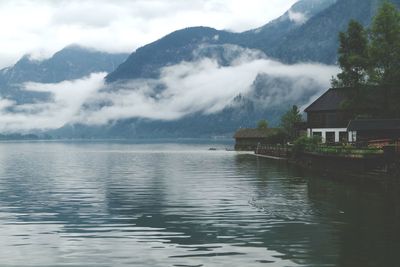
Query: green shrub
[277,137]
[305,143]
[262,124]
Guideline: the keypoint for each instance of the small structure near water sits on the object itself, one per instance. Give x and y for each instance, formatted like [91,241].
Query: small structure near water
[350,146]
[247,139]
[366,130]
[353,147]
[326,117]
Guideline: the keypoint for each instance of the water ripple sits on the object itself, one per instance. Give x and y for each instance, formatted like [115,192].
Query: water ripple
[113,204]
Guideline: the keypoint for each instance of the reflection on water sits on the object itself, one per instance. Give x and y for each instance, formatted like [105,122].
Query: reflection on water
[115,204]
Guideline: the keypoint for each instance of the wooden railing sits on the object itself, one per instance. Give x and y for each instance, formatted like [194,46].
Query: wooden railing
[345,151]
[287,151]
[274,150]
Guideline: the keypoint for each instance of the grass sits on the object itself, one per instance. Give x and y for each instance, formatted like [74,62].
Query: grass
[344,151]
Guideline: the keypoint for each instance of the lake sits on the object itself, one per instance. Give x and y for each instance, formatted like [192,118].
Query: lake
[160,204]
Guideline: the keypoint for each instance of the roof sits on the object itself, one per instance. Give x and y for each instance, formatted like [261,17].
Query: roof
[331,100]
[374,124]
[254,132]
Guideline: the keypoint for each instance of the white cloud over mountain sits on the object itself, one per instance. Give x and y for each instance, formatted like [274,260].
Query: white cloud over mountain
[44,27]
[202,86]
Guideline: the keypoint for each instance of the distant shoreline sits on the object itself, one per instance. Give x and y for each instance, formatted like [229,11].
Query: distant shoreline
[133,140]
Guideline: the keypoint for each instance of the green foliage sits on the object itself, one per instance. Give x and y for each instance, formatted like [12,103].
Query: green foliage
[314,145]
[348,151]
[353,61]
[385,45]
[384,51]
[276,137]
[305,143]
[353,56]
[262,124]
[289,120]
[372,61]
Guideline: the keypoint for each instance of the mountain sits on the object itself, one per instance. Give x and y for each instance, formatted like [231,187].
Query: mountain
[243,111]
[307,32]
[72,62]
[267,37]
[171,49]
[178,46]
[317,39]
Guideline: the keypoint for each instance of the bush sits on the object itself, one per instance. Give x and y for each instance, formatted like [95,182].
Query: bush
[262,124]
[305,143]
[278,137]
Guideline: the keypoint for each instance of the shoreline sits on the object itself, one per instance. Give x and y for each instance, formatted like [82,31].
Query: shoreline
[341,168]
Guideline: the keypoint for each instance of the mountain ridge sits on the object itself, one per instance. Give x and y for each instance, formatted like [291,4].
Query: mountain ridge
[70,63]
[299,36]
[282,39]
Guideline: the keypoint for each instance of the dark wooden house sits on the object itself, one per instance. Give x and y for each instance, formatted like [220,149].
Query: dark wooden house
[327,118]
[247,139]
[374,129]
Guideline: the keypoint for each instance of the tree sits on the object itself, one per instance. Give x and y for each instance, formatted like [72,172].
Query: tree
[353,57]
[384,50]
[289,122]
[370,65]
[354,62]
[262,124]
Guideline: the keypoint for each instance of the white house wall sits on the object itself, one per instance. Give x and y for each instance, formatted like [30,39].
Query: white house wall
[323,131]
[352,136]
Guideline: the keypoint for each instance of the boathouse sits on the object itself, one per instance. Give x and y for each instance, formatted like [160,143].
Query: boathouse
[326,117]
[247,139]
[374,129]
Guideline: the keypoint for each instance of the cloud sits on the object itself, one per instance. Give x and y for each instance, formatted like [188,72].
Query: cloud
[202,86]
[297,17]
[43,27]
[68,98]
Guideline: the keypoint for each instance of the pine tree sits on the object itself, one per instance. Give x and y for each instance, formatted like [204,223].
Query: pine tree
[353,61]
[262,124]
[370,64]
[289,122]
[384,50]
[353,56]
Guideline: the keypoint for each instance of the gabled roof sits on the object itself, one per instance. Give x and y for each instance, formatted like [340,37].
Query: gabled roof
[254,133]
[374,124]
[331,100]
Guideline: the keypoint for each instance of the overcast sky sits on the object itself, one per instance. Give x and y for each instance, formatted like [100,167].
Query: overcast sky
[42,27]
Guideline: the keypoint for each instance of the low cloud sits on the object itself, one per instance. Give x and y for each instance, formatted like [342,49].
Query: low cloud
[67,99]
[203,86]
[297,17]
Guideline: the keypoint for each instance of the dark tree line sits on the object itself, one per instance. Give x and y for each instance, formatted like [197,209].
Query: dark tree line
[370,65]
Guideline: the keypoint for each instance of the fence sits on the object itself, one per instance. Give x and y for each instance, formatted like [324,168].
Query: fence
[347,151]
[286,151]
[274,150]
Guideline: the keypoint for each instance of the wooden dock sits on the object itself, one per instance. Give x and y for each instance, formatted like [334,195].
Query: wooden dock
[270,157]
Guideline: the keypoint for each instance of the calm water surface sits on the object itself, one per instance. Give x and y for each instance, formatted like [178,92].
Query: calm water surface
[121,204]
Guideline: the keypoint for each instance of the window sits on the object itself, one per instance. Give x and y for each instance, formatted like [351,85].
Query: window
[319,134]
[343,137]
[330,137]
